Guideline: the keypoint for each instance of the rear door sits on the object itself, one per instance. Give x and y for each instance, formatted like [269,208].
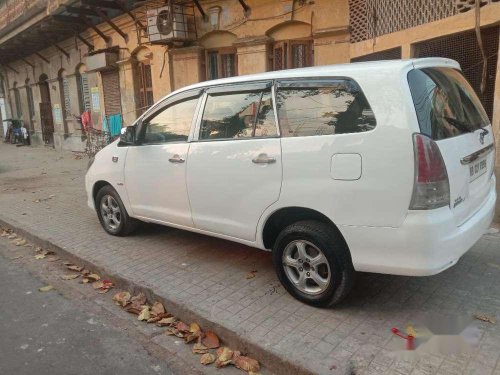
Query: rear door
[234,169]
[450,112]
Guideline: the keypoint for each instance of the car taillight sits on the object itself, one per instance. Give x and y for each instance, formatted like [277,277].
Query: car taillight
[431,188]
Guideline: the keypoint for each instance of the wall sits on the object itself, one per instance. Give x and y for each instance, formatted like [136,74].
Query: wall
[490,15]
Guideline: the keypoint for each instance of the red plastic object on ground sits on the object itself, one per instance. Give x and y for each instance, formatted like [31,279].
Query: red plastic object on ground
[410,340]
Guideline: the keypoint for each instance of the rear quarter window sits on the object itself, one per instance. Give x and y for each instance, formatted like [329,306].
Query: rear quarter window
[323,108]
[445,103]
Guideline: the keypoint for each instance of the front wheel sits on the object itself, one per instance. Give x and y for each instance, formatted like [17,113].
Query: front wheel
[112,213]
[313,263]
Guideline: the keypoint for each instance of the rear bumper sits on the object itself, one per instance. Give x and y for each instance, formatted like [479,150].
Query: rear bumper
[427,243]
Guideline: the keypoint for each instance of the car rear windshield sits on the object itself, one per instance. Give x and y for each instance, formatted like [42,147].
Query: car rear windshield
[445,103]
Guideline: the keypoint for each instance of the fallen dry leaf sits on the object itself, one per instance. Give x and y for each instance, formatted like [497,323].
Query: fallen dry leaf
[181,326]
[93,277]
[207,359]
[251,274]
[210,340]
[21,242]
[85,280]
[224,357]
[157,309]
[72,267]
[133,309]
[192,337]
[70,276]
[199,349]
[246,363]
[139,299]
[170,331]
[144,314]
[166,321]
[12,236]
[39,256]
[102,286]
[485,318]
[157,318]
[194,327]
[85,272]
[122,298]
[45,288]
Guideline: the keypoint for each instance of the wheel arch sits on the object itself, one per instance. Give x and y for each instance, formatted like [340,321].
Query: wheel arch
[285,216]
[98,185]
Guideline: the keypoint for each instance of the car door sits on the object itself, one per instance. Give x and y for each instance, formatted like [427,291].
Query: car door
[234,168]
[155,169]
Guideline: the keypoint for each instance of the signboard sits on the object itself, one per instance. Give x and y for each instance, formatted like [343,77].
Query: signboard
[96,104]
[58,119]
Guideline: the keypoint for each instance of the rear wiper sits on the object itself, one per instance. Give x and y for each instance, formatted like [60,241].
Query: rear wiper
[460,125]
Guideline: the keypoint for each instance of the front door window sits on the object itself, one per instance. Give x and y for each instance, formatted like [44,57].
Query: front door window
[171,124]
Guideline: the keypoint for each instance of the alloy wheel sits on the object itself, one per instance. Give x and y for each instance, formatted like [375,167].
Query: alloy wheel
[306,267]
[110,212]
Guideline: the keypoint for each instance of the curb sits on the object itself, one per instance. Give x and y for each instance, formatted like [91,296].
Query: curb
[271,361]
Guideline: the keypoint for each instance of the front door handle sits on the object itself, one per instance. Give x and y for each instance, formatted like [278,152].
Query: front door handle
[176,159]
[264,159]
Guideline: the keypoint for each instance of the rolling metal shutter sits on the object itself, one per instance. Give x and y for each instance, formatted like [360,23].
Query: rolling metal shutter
[111,91]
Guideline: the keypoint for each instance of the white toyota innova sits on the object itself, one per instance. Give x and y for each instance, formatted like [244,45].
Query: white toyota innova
[380,167]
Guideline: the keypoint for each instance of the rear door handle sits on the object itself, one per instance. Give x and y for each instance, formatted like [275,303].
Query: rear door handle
[176,159]
[263,159]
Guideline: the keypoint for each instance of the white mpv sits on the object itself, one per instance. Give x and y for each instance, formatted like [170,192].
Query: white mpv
[380,167]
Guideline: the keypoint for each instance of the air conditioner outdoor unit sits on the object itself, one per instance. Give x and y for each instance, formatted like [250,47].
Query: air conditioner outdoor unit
[164,26]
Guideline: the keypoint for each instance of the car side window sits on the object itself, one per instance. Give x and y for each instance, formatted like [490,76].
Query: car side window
[323,108]
[238,115]
[171,124]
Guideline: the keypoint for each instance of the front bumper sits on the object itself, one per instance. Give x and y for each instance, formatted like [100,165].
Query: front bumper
[427,243]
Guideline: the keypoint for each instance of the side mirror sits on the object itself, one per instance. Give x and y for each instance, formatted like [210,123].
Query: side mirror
[128,136]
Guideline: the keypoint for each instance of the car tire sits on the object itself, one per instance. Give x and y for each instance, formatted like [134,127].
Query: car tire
[313,263]
[112,213]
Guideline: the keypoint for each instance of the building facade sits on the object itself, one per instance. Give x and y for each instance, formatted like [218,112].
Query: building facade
[60,59]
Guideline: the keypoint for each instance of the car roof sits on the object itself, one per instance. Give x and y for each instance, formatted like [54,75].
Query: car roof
[348,69]
[326,70]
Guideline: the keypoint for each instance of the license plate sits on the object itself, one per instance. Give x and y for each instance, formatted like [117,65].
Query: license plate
[477,169]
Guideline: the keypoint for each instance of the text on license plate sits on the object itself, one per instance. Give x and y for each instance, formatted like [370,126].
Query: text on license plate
[477,169]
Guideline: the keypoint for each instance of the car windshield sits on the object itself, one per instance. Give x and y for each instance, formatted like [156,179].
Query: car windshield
[445,103]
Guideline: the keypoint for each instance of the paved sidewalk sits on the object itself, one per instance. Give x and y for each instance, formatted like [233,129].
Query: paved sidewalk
[204,278]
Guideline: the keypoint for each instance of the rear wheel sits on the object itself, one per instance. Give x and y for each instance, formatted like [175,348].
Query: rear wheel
[112,213]
[313,263]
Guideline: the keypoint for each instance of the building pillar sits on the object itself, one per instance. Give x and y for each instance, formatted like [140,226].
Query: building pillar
[407,51]
[128,97]
[187,66]
[331,46]
[253,55]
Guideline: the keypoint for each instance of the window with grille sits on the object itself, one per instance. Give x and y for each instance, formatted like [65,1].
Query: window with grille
[292,54]
[145,89]
[64,87]
[221,63]
[83,92]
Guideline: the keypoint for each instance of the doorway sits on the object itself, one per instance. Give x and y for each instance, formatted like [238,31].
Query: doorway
[46,111]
